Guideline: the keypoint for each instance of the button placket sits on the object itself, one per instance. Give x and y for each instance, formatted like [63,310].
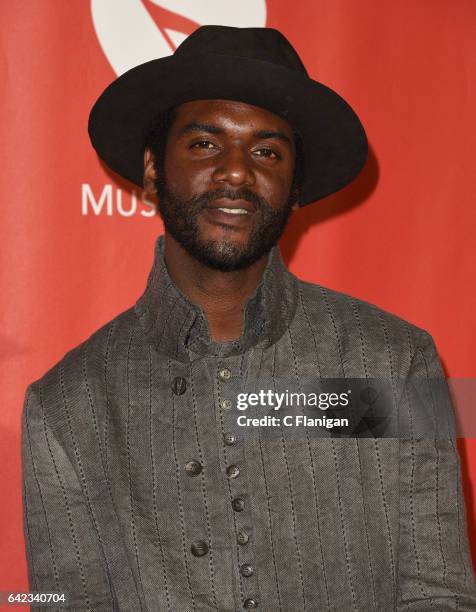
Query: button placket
[229,385]
[191,456]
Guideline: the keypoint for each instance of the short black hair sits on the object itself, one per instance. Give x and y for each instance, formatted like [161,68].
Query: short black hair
[157,140]
[157,135]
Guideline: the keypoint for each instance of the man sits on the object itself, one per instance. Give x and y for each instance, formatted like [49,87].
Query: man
[142,491]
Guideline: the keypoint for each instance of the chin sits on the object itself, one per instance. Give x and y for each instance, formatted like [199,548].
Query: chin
[223,254]
[225,237]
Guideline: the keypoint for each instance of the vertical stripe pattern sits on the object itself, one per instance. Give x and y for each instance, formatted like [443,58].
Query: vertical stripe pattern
[142,493]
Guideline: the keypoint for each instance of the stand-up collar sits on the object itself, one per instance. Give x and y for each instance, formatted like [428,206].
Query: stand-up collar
[177,327]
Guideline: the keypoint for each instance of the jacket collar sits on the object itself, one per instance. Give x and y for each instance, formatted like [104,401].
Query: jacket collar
[177,327]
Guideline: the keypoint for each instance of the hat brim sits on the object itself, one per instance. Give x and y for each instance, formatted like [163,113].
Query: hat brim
[334,141]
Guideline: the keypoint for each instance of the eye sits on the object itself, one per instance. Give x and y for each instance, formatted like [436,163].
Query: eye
[267,153]
[203,144]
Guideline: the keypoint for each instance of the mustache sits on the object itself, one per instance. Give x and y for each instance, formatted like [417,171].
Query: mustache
[202,200]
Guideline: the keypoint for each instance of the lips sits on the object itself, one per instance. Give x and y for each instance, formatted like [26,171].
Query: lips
[232,207]
[236,214]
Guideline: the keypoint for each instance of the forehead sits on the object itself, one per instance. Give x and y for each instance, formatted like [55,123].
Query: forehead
[230,114]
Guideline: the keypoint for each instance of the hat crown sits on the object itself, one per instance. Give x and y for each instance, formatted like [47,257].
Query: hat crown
[266,44]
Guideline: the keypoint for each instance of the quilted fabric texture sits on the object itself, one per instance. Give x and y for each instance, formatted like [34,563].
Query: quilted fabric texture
[137,497]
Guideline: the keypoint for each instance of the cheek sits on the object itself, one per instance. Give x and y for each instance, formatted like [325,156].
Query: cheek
[186,179]
[276,188]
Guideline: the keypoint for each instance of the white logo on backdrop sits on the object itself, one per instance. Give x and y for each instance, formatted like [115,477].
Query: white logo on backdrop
[129,35]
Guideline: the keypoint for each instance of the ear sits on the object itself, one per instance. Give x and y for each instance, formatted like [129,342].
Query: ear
[150,174]
[295,206]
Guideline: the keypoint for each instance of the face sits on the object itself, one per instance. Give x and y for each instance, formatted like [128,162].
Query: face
[225,189]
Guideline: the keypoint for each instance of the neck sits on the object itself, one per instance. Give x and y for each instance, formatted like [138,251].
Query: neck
[221,295]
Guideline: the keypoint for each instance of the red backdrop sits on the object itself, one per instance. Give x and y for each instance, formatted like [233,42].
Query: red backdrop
[77,245]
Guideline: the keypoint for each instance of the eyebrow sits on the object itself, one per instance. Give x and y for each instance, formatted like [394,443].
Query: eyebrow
[273,134]
[213,129]
[201,127]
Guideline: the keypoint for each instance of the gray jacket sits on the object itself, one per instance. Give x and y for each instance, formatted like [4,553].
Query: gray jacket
[140,495]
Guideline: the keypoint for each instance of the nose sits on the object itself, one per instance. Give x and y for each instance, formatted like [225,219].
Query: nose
[234,168]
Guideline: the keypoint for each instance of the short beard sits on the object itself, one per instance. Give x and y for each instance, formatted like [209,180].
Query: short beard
[180,219]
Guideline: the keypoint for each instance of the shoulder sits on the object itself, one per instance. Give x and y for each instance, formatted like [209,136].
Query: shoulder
[358,322]
[349,310]
[89,357]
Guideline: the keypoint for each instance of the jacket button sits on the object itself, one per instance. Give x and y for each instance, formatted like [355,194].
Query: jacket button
[229,439]
[238,504]
[199,548]
[246,570]
[232,471]
[242,537]
[193,468]
[224,373]
[179,385]
[250,604]
[226,404]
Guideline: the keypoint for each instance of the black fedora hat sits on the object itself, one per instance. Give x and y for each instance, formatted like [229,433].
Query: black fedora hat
[257,66]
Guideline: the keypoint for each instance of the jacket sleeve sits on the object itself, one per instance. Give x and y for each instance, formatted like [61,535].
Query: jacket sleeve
[434,566]
[65,546]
